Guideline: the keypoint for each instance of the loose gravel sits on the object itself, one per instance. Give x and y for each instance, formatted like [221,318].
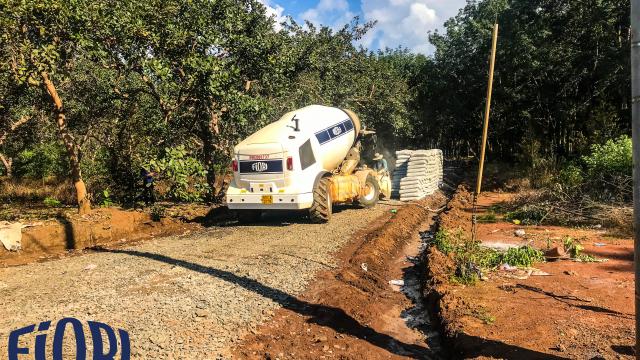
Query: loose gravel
[181,297]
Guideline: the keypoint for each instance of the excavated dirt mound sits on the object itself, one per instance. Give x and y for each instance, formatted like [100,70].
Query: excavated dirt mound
[106,226]
[383,243]
[458,212]
[352,312]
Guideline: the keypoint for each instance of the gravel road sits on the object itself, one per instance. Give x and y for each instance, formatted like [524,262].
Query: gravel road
[181,297]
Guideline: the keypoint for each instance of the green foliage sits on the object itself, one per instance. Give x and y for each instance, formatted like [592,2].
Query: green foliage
[614,158]
[526,215]
[184,174]
[524,256]
[442,242]
[605,173]
[572,247]
[157,212]
[471,258]
[489,217]
[51,202]
[106,200]
[41,161]
[571,176]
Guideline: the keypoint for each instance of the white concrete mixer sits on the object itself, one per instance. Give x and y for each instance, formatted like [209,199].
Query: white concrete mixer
[309,159]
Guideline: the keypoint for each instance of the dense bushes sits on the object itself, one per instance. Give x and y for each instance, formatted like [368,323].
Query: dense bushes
[182,173]
[604,174]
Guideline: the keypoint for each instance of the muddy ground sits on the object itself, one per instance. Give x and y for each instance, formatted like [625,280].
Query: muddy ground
[581,311]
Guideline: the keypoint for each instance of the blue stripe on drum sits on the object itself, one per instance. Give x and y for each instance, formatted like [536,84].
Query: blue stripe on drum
[334,131]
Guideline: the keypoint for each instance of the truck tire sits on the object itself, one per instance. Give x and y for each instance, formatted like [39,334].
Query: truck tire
[320,211]
[249,216]
[370,199]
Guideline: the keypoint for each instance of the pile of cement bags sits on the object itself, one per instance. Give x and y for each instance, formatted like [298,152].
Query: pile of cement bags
[418,173]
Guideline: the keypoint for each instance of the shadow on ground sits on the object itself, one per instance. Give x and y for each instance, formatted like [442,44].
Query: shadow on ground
[322,315]
[479,347]
[222,216]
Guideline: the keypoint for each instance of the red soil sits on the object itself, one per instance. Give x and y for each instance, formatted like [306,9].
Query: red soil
[583,310]
[350,313]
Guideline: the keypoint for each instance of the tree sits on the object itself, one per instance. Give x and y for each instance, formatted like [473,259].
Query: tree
[43,40]
[561,78]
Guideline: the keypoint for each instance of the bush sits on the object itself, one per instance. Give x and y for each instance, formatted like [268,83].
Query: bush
[571,176]
[184,174]
[51,202]
[604,174]
[614,158]
[41,161]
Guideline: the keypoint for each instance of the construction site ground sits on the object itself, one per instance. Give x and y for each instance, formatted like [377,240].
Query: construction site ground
[582,310]
[224,290]
[202,286]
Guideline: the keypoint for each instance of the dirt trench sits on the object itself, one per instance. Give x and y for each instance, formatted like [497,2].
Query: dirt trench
[353,312]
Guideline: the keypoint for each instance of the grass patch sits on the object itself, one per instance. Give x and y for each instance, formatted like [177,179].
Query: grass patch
[488,218]
[526,215]
[483,315]
[51,202]
[471,258]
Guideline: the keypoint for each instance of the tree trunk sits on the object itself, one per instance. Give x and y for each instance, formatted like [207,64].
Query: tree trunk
[84,204]
[209,150]
[7,162]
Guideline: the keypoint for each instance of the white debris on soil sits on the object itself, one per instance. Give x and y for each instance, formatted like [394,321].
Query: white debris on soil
[11,235]
[500,246]
[520,233]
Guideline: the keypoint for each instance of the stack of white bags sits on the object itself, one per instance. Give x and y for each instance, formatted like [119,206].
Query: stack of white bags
[418,173]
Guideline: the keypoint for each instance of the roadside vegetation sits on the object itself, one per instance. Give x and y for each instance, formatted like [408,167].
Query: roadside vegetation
[472,259]
[90,93]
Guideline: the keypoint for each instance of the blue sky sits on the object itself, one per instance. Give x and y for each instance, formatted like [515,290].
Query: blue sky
[400,22]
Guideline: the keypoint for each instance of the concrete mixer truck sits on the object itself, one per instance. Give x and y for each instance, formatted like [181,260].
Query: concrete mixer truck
[307,160]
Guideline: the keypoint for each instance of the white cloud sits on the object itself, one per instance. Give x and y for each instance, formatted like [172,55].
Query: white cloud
[399,22]
[332,13]
[406,22]
[276,11]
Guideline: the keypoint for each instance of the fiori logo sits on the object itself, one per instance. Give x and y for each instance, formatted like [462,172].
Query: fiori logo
[259,166]
[101,350]
[336,130]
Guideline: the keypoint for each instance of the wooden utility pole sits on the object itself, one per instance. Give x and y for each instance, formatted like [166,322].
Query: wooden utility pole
[485,128]
[635,126]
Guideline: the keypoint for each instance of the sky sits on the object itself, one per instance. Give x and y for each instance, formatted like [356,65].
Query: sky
[400,22]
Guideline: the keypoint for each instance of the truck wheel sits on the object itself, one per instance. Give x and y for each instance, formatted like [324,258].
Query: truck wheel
[249,216]
[320,211]
[372,193]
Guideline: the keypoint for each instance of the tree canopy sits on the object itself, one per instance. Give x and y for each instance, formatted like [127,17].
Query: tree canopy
[102,89]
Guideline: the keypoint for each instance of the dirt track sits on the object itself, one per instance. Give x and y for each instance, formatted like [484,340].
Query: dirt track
[188,296]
